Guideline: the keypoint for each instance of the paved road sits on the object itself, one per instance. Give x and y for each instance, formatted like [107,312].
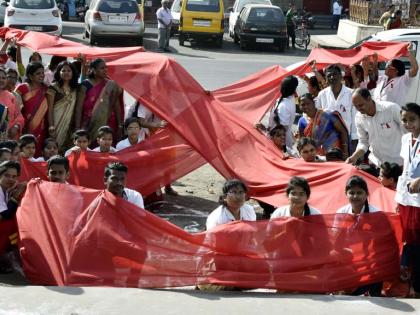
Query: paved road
[213,67]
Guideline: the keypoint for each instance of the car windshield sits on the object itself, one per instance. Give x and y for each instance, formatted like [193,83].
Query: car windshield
[244,2]
[114,6]
[360,42]
[176,6]
[265,14]
[203,5]
[33,4]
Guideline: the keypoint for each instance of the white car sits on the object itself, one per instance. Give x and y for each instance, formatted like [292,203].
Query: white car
[176,16]
[34,15]
[236,9]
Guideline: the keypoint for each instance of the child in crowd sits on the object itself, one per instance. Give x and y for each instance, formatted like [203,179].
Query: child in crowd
[58,169]
[408,190]
[132,128]
[233,206]
[13,146]
[389,173]
[27,144]
[49,149]
[307,150]
[81,142]
[298,193]
[104,139]
[278,135]
[5,154]
[11,190]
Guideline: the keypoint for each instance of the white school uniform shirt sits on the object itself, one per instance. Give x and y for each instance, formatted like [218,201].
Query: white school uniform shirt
[125,144]
[394,90]
[38,159]
[149,116]
[98,149]
[284,211]
[4,199]
[286,111]
[381,134]
[411,155]
[222,215]
[133,197]
[343,105]
[347,209]
[165,15]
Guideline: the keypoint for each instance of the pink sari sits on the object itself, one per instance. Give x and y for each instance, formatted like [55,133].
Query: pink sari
[97,107]
[34,112]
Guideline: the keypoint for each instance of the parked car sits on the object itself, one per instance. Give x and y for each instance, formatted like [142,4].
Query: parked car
[34,15]
[114,18]
[201,19]
[3,7]
[176,16]
[236,9]
[261,24]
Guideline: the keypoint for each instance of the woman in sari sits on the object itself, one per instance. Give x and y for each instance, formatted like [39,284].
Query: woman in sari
[98,103]
[61,98]
[35,107]
[326,129]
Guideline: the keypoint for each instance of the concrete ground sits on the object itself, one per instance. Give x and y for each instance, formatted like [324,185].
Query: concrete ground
[104,301]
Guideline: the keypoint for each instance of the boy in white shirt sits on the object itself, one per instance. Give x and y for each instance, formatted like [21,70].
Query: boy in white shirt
[58,169]
[81,142]
[104,139]
[132,128]
[27,146]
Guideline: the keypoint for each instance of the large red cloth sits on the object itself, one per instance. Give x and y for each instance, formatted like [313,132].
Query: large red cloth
[76,236]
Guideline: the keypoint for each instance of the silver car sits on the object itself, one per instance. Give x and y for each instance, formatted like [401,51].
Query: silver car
[114,18]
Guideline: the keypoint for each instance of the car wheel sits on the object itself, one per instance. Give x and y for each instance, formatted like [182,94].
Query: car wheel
[282,46]
[85,34]
[181,39]
[235,38]
[242,44]
[219,41]
[139,41]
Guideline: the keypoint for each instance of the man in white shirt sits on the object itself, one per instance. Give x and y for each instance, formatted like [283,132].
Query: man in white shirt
[379,129]
[115,178]
[393,86]
[164,18]
[337,8]
[338,98]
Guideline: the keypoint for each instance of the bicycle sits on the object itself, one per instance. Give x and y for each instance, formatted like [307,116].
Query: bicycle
[302,36]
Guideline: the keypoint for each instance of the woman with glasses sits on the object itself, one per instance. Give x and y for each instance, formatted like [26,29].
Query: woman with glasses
[16,120]
[233,206]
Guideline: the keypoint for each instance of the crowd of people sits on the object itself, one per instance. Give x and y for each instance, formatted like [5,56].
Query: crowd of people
[350,114]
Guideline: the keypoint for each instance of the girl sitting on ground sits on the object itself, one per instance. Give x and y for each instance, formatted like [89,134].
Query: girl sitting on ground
[307,150]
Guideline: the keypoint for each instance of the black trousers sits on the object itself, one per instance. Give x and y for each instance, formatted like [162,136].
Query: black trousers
[291,34]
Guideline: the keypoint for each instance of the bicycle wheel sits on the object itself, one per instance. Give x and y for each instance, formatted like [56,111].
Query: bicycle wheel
[299,37]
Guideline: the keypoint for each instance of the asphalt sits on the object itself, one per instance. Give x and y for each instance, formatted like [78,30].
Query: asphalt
[83,300]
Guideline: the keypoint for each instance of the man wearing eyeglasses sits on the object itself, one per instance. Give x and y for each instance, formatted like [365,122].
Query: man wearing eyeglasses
[393,86]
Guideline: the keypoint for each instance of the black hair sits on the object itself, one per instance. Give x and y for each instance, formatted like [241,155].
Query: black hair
[4,166]
[359,182]
[313,81]
[55,60]
[228,185]
[5,150]
[77,65]
[334,67]
[398,12]
[372,170]
[33,55]
[305,141]
[301,182]
[278,127]
[10,70]
[58,160]
[31,68]
[48,141]
[93,65]
[74,81]
[334,154]
[412,108]
[399,65]
[391,170]
[11,52]
[131,120]
[308,96]
[80,133]
[363,92]
[26,139]
[9,144]
[115,166]
[287,88]
[104,130]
